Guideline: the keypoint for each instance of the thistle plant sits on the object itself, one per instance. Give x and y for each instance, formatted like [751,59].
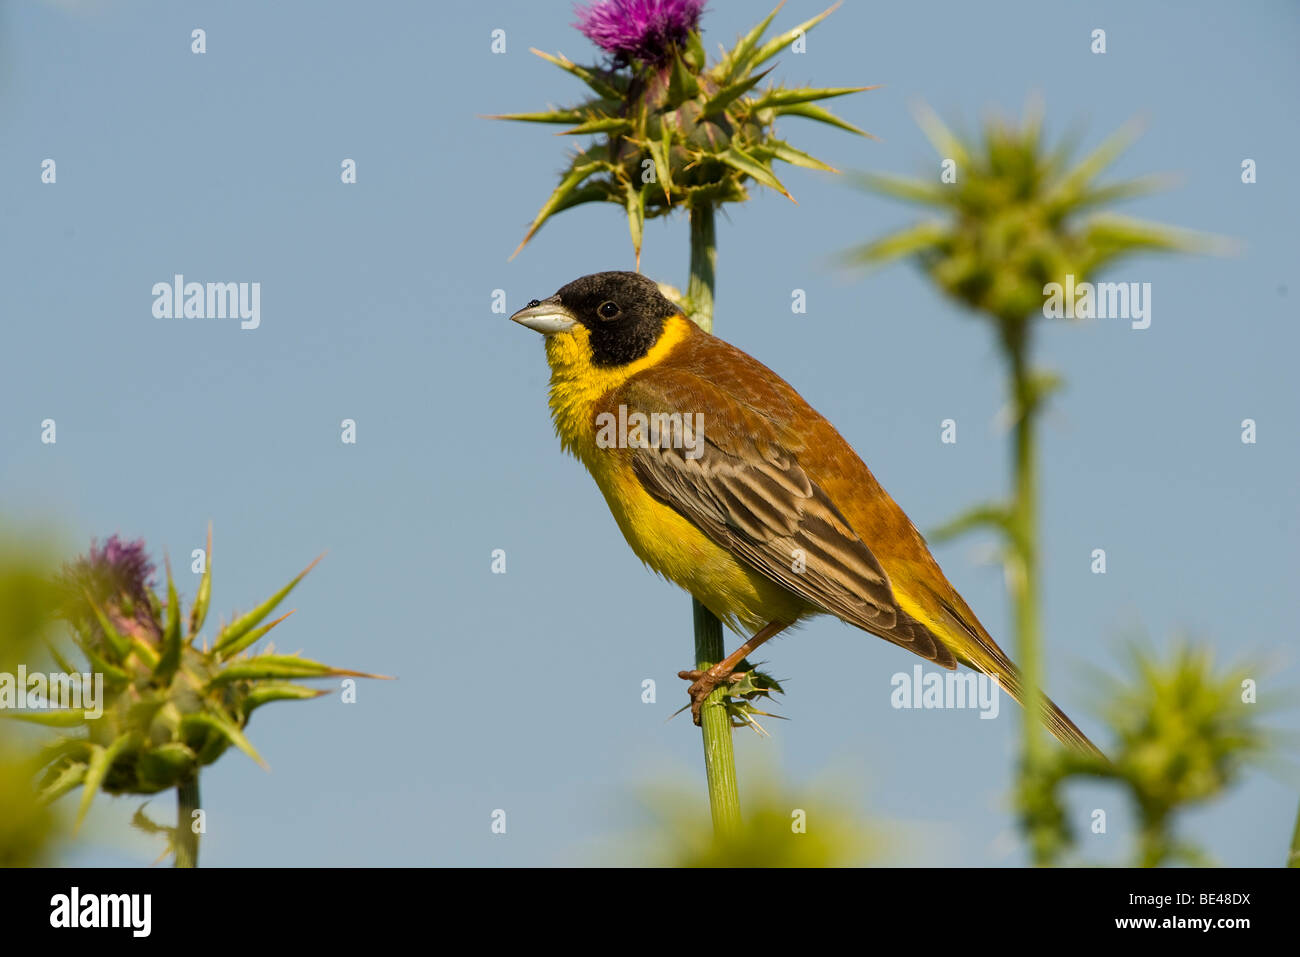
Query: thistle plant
[670,130]
[1293,855]
[28,829]
[1183,735]
[1019,216]
[172,705]
[812,827]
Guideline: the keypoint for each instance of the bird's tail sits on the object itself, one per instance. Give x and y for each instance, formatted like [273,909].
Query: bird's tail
[1053,718]
[981,652]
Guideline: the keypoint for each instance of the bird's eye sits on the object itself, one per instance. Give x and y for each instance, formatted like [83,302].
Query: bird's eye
[608,309]
[533,302]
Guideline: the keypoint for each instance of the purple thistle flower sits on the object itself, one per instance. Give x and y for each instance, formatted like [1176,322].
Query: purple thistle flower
[117,577]
[123,567]
[646,30]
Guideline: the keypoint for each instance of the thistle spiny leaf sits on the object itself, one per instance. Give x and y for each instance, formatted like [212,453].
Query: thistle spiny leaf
[111,672]
[64,664]
[812,111]
[121,646]
[228,729]
[793,97]
[595,193]
[67,779]
[245,623]
[249,638]
[1111,229]
[635,204]
[912,190]
[570,182]
[265,693]
[62,751]
[60,718]
[602,85]
[171,642]
[796,157]
[682,85]
[548,116]
[199,613]
[1091,166]
[899,245]
[142,821]
[101,759]
[663,169]
[693,53]
[737,158]
[1115,192]
[944,141]
[774,46]
[599,124]
[980,516]
[279,667]
[728,94]
[145,652]
[736,62]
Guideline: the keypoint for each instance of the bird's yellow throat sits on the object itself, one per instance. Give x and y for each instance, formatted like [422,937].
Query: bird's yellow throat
[577,384]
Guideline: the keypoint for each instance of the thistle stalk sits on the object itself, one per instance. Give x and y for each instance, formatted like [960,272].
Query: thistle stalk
[1023,582]
[187,839]
[1293,859]
[715,723]
[704,259]
[715,726]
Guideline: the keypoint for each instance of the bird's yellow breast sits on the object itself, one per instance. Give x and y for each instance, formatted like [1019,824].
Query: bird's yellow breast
[659,535]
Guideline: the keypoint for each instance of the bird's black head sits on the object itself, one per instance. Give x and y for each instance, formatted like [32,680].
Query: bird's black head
[623,313]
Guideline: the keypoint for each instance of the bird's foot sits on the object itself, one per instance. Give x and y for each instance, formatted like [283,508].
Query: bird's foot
[703,684]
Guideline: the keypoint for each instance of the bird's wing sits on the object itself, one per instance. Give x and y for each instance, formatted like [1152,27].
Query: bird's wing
[748,492]
[740,483]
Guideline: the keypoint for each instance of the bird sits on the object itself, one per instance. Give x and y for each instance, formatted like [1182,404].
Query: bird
[725,481]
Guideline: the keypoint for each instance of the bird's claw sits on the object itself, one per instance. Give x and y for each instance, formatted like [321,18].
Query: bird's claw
[703,684]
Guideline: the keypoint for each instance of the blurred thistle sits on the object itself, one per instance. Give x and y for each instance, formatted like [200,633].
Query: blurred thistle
[780,829]
[1016,216]
[1183,734]
[671,129]
[1293,856]
[28,827]
[170,705]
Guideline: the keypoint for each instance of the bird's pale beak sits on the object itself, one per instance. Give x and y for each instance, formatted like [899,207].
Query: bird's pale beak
[547,317]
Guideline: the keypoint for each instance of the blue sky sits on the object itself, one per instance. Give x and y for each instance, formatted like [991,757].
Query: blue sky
[376,307]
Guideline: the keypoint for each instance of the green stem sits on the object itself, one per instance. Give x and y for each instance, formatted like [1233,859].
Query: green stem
[704,259]
[1153,842]
[719,758]
[1023,577]
[1293,859]
[187,841]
